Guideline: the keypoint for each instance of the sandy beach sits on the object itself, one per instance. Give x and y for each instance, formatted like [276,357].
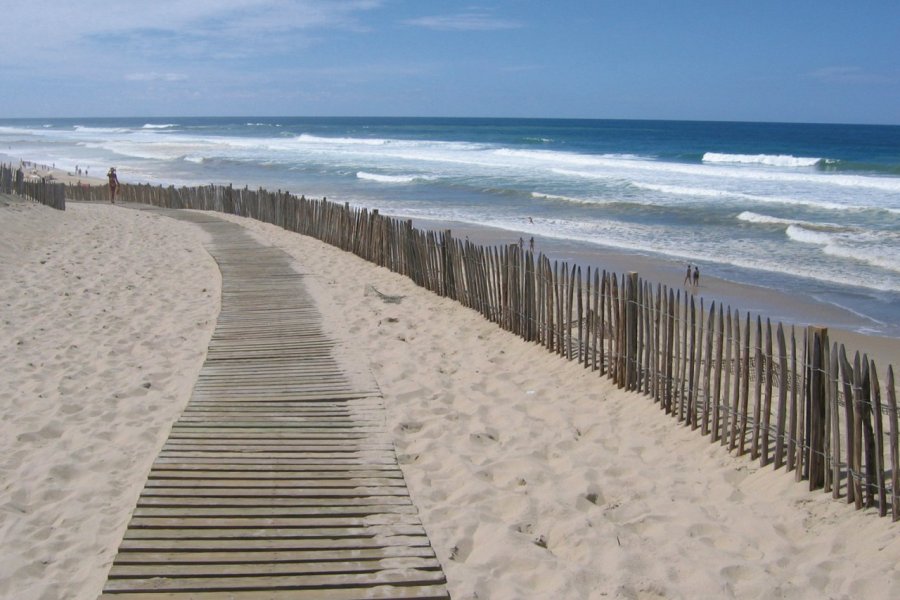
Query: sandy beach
[534,478]
[106,317]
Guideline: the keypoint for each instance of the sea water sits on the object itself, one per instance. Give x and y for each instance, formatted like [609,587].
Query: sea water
[813,209]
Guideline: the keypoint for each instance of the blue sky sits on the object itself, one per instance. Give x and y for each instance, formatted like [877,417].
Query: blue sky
[788,60]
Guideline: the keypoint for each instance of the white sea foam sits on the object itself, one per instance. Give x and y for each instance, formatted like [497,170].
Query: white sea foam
[879,257]
[387,178]
[801,234]
[312,139]
[16,130]
[752,217]
[689,191]
[163,126]
[104,130]
[571,199]
[847,246]
[759,198]
[771,160]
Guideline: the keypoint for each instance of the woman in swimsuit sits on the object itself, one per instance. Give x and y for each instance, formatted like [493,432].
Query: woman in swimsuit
[113,184]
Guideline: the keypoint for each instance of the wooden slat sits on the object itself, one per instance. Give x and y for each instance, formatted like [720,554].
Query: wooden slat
[271,534]
[253,545]
[418,592]
[295,501]
[278,568]
[286,521]
[284,582]
[274,512]
[345,476]
[271,557]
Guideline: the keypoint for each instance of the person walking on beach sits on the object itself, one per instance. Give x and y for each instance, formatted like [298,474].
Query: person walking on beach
[696,277]
[113,184]
[687,278]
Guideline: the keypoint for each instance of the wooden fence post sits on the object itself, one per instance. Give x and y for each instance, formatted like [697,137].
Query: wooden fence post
[631,327]
[895,446]
[782,398]
[879,441]
[817,340]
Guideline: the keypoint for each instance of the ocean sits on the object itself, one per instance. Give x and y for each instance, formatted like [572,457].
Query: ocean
[809,208]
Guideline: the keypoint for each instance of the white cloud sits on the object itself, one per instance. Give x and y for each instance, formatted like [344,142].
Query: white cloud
[155,77]
[849,75]
[464,21]
[56,30]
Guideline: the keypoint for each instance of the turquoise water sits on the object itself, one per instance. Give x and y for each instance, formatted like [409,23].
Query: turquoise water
[814,209]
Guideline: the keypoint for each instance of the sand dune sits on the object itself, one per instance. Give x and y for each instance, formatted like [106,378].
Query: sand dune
[106,314]
[534,477]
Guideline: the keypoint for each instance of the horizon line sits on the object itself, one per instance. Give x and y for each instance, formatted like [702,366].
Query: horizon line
[457,118]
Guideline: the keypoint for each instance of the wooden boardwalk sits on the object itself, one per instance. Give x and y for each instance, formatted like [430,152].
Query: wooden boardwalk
[278,481]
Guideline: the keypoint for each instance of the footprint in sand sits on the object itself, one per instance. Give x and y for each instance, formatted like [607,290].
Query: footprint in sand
[461,551]
[411,427]
[406,459]
[594,497]
[526,528]
[737,573]
[487,436]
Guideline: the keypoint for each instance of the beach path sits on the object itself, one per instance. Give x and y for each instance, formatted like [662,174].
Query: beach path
[279,479]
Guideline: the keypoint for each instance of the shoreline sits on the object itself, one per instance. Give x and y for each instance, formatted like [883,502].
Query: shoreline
[777,305]
[36,171]
[845,326]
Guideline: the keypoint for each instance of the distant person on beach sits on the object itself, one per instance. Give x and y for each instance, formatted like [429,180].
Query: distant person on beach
[113,184]
[696,277]
[687,278]
[531,244]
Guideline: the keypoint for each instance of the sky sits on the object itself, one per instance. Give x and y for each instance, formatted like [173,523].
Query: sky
[762,60]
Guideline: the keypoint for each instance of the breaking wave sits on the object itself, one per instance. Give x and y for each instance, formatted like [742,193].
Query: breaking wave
[388,178]
[771,160]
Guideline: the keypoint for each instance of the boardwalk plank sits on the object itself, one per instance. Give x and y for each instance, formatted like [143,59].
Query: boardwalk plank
[251,545]
[283,582]
[295,501]
[269,521]
[397,592]
[342,475]
[274,512]
[277,568]
[259,532]
[236,558]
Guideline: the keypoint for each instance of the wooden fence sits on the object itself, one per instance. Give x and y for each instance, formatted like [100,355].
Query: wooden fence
[783,395]
[14,181]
